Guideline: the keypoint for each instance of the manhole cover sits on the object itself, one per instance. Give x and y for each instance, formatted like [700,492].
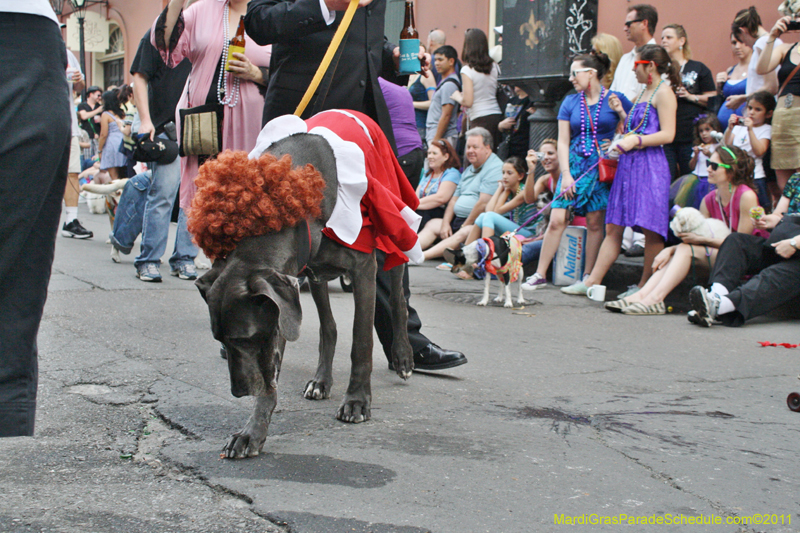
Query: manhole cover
[90,390]
[472,298]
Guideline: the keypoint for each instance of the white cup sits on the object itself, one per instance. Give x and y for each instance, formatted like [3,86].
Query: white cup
[597,293]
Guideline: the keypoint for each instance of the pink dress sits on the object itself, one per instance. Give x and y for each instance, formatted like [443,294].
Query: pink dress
[202,41]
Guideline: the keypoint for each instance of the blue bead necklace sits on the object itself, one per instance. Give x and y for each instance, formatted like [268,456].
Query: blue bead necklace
[590,134]
[643,124]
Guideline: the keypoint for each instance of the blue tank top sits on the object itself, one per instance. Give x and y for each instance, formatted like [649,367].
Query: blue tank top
[419,94]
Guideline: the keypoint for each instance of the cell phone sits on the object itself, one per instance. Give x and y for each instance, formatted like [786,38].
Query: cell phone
[793,25]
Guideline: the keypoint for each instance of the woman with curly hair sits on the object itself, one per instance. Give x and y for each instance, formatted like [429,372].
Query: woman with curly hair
[730,169]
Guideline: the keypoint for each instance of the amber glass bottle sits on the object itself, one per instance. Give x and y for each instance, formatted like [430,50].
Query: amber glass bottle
[236,44]
[409,42]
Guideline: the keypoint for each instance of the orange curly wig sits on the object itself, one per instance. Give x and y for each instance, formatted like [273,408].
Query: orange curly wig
[239,197]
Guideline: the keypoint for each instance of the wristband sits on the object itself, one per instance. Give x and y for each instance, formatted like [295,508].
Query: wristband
[640,140]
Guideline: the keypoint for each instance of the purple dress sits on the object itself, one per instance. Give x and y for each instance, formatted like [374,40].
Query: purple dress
[639,196]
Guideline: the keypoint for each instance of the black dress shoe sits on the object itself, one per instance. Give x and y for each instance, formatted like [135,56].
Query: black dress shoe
[433,357]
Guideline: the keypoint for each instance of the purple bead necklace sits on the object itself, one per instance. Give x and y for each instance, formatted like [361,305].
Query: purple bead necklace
[590,133]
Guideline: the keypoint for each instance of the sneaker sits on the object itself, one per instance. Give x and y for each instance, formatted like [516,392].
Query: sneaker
[148,272]
[578,288]
[632,289]
[185,271]
[534,282]
[705,304]
[76,231]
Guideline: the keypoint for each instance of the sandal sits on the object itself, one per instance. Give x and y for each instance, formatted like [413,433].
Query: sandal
[444,266]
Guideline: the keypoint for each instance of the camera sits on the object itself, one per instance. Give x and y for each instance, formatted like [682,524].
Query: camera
[540,155]
[793,25]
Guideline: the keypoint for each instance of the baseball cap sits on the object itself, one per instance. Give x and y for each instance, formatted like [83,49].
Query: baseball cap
[159,150]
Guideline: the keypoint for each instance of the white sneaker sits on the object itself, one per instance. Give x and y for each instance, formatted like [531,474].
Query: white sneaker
[534,282]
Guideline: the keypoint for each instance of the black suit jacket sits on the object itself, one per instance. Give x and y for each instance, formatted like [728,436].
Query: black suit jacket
[300,38]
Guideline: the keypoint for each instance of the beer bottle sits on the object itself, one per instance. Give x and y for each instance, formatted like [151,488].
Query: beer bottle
[409,43]
[236,45]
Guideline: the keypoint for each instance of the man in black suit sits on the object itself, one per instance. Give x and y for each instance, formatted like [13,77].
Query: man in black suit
[300,32]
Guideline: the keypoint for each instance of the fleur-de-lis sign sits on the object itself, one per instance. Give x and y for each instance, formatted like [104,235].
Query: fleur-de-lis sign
[532,26]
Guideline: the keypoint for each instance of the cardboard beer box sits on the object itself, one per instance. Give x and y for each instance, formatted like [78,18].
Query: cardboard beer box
[570,258]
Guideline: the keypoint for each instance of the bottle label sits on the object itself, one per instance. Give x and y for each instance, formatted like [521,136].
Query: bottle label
[231,50]
[409,56]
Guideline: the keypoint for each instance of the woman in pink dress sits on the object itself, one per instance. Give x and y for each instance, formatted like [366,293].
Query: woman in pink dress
[731,171]
[201,33]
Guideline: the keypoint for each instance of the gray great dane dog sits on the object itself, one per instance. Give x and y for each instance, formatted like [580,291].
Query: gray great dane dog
[253,298]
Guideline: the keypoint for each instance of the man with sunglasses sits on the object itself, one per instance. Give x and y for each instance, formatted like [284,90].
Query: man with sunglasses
[640,25]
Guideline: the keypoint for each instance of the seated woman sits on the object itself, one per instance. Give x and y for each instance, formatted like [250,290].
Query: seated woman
[774,263]
[731,170]
[436,188]
[507,209]
[539,192]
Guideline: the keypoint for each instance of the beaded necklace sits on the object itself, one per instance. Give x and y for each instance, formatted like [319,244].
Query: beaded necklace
[232,98]
[588,140]
[643,124]
[430,183]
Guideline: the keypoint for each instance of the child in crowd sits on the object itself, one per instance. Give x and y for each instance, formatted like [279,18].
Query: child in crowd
[692,188]
[752,133]
[507,208]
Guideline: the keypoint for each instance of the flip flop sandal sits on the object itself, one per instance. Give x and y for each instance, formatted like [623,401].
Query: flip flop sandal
[444,266]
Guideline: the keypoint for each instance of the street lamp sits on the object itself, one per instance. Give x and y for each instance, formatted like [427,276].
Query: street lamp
[79,7]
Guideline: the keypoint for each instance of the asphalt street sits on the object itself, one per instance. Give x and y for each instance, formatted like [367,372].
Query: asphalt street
[564,411]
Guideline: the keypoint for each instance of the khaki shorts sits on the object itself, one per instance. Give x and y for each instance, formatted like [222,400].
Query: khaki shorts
[74,157]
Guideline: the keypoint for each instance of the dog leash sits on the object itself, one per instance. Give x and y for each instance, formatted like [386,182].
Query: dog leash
[542,210]
[328,58]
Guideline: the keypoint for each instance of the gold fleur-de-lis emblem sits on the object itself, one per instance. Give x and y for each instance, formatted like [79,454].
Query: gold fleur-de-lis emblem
[532,26]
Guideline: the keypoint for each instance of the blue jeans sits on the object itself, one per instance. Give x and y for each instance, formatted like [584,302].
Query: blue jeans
[146,207]
[531,251]
[499,223]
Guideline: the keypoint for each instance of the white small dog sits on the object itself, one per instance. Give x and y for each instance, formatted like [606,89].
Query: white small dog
[690,220]
[95,202]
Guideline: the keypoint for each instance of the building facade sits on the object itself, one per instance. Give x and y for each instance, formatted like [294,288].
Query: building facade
[707,24]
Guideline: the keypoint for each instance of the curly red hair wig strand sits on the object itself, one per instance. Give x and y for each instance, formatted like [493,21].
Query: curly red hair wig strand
[239,197]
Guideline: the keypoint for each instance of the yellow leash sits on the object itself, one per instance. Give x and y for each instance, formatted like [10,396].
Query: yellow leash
[326,61]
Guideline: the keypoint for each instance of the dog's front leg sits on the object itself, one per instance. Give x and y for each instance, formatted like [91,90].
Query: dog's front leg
[507,287]
[503,281]
[520,281]
[250,440]
[319,388]
[402,355]
[356,404]
[486,281]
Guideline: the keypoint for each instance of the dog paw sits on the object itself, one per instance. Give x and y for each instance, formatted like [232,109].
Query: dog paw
[316,390]
[353,411]
[242,445]
[483,303]
[508,304]
[115,255]
[499,299]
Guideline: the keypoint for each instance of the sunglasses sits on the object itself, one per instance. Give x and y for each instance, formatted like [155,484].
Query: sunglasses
[574,73]
[640,62]
[628,23]
[714,166]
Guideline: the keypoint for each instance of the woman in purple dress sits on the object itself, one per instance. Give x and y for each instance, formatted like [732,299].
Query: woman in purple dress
[639,196]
